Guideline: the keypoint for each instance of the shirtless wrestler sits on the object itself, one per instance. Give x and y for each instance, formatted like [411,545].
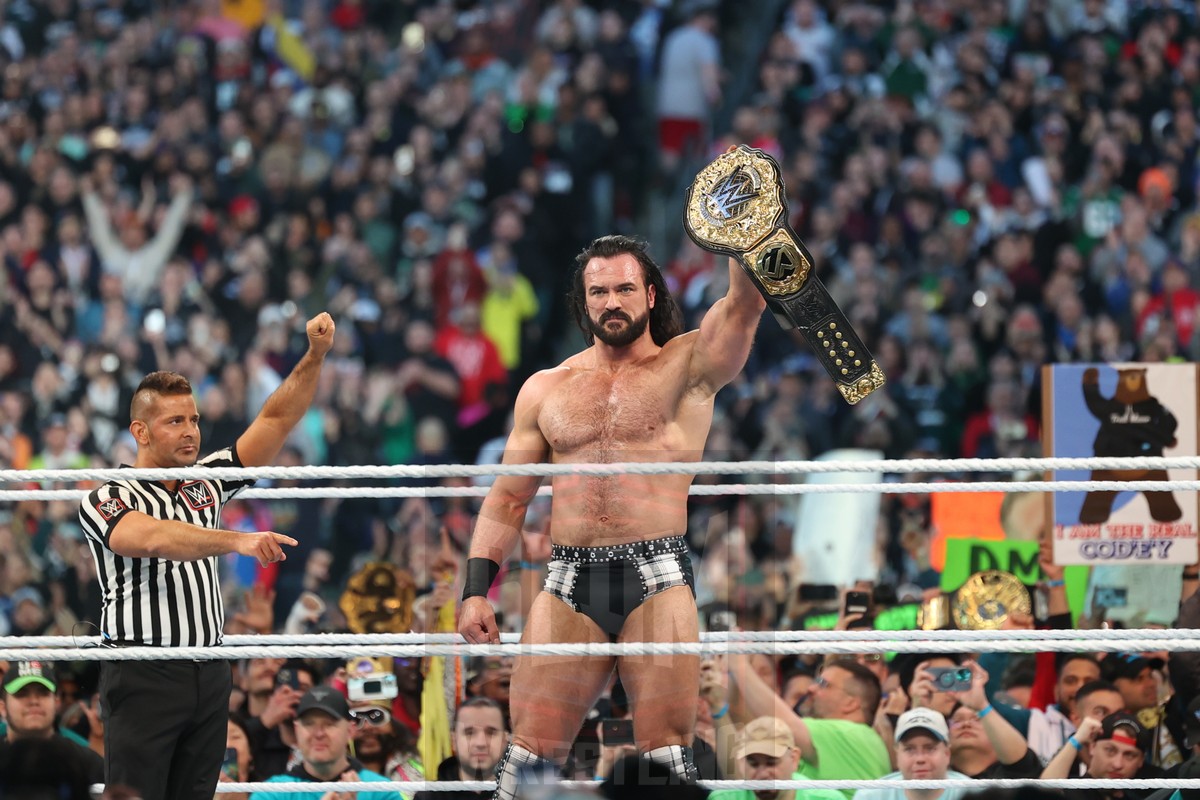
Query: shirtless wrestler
[619,570]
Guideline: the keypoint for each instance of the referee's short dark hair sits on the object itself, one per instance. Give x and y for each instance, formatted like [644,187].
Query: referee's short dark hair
[161,383]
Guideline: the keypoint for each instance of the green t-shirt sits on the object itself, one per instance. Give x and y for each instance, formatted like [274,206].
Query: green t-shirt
[801,794]
[845,751]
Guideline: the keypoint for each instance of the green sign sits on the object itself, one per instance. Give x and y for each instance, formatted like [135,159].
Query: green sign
[899,618]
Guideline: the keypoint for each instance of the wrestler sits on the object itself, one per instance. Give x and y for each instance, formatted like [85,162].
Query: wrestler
[619,571]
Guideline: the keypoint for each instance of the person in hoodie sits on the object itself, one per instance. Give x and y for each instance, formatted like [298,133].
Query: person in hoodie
[479,741]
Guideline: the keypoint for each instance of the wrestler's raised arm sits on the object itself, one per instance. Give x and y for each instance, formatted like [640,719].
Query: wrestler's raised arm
[726,333]
[498,528]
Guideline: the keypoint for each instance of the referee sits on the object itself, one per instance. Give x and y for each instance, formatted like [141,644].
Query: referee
[156,545]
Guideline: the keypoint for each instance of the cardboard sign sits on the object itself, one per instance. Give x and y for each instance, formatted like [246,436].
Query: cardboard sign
[962,515]
[1122,410]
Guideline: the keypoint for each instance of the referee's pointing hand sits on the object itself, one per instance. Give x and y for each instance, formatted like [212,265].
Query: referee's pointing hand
[266,546]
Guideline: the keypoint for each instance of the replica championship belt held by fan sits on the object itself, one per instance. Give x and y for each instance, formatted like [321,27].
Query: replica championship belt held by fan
[736,206]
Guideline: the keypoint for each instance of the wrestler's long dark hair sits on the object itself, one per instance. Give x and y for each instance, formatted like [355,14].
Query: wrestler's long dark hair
[666,320]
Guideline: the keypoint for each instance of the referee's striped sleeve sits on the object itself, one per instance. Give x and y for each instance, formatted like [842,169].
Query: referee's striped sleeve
[103,508]
[226,457]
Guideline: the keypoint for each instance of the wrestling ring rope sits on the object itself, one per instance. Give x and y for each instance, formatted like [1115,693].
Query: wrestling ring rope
[342,646]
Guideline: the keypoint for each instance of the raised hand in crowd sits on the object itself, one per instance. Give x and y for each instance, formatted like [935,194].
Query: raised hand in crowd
[259,616]
[281,707]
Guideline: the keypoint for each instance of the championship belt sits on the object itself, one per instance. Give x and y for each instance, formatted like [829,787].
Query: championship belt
[934,613]
[379,599]
[737,207]
[987,599]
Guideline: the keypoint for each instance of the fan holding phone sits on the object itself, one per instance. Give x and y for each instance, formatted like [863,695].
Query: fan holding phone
[616,742]
[983,743]
[235,766]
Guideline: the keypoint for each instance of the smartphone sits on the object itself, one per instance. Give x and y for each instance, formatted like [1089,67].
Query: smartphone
[1111,597]
[230,765]
[857,603]
[719,619]
[950,679]
[616,731]
[810,592]
[288,677]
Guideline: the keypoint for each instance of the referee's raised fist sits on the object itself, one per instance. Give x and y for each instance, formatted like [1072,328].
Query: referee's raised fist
[320,333]
[266,546]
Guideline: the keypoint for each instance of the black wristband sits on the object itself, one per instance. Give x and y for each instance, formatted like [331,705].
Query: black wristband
[481,574]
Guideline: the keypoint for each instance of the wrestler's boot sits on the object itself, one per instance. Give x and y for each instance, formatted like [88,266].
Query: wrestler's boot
[678,758]
[516,760]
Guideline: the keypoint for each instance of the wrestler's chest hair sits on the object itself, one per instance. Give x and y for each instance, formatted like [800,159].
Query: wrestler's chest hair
[607,415]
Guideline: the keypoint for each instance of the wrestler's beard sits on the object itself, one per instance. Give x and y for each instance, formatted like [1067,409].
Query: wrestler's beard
[481,774]
[632,331]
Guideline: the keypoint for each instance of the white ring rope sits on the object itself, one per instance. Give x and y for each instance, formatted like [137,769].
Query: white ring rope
[940,637]
[890,466]
[720,490]
[484,786]
[579,649]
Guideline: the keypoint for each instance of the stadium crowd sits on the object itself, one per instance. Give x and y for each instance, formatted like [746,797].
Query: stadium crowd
[987,187]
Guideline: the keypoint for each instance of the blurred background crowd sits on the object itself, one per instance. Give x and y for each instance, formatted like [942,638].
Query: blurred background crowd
[986,186]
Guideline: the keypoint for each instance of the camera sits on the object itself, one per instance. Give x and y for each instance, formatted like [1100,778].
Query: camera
[379,686]
[950,679]
[616,732]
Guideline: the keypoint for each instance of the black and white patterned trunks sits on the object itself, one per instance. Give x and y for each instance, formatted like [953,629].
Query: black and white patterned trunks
[608,583]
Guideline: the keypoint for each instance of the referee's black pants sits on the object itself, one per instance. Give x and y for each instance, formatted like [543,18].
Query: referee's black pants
[165,726]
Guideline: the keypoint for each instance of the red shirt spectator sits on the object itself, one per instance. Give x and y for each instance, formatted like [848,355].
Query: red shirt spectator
[457,281]
[348,15]
[992,432]
[473,355]
[1177,302]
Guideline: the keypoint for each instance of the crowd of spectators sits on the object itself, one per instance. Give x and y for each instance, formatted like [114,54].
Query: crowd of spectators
[986,187]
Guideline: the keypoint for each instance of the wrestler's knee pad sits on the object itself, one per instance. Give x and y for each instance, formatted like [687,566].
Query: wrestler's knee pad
[678,758]
[516,761]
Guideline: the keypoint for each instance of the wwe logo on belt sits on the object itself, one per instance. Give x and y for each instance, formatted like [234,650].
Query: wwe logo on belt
[730,198]
[111,508]
[197,494]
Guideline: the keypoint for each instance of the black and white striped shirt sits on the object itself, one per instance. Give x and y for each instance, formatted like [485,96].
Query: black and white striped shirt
[154,601]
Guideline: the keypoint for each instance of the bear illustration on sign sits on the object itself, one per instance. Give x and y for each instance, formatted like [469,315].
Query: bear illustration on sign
[1132,423]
